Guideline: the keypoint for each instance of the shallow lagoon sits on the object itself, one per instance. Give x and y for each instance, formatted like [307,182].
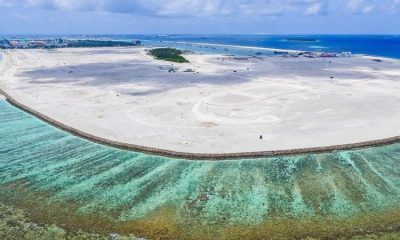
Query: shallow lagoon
[60,179]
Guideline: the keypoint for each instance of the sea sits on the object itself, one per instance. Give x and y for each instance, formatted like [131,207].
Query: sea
[64,180]
[61,180]
[374,45]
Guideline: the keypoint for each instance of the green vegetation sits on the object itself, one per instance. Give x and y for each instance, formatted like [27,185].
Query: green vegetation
[168,54]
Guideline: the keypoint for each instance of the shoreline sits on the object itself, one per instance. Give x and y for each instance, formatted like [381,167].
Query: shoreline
[197,156]
[237,46]
[292,51]
[272,49]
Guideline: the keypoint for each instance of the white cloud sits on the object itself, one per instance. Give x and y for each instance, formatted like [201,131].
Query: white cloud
[314,9]
[195,8]
[361,6]
[368,8]
[395,6]
[170,7]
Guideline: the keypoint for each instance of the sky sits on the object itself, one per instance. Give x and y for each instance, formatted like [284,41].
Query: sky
[199,16]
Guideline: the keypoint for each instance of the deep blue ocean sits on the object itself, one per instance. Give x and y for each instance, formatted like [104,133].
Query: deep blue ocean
[375,45]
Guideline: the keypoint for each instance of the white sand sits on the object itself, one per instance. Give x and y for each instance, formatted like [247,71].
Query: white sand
[122,94]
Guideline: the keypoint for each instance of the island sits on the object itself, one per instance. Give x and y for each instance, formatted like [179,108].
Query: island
[168,54]
[210,103]
[51,43]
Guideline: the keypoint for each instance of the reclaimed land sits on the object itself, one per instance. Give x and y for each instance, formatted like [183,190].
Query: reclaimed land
[216,104]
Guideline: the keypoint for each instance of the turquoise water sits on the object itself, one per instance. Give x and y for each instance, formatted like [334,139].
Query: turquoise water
[129,186]
[375,45]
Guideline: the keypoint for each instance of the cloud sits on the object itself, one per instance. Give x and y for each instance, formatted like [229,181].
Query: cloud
[314,9]
[171,7]
[395,7]
[361,6]
[198,8]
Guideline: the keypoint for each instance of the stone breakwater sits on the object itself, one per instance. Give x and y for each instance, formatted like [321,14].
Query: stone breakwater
[197,156]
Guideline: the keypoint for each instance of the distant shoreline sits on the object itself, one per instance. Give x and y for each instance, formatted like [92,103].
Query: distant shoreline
[291,51]
[236,46]
[197,156]
[327,41]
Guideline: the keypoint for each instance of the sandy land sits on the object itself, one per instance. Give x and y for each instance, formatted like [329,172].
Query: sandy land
[124,95]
